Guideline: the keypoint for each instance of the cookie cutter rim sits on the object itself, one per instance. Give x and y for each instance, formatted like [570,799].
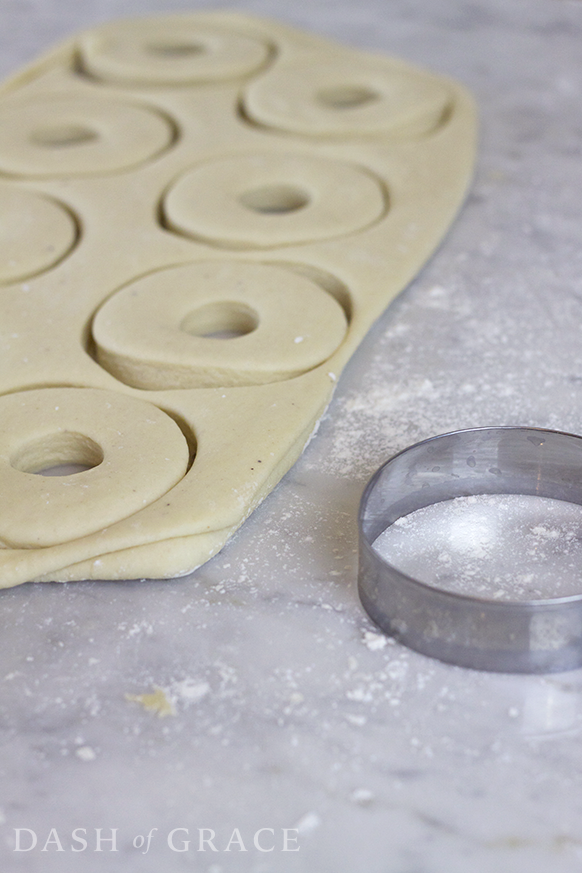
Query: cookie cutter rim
[529,636]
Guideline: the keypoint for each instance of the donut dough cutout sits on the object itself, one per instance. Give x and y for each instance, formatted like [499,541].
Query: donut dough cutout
[216,324]
[169,51]
[36,232]
[119,438]
[72,135]
[270,199]
[319,98]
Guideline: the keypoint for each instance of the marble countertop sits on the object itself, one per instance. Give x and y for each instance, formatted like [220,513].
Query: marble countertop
[294,725]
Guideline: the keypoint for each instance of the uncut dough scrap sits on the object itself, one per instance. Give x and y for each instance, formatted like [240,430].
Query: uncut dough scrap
[200,217]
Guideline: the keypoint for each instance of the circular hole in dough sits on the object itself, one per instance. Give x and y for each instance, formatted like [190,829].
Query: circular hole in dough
[265,200]
[135,454]
[63,136]
[224,320]
[72,135]
[175,50]
[284,323]
[36,233]
[59,454]
[346,96]
[168,51]
[275,199]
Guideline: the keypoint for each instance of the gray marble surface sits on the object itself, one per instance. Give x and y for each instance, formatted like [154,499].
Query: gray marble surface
[289,710]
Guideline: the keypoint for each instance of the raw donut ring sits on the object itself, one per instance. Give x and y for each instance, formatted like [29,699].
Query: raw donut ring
[170,52]
[327,98]
[35,233]
[271,199]
[159,332]
[70,135]
[136,453]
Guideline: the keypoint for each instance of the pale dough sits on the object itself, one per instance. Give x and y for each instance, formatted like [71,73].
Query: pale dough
[201,215]
[35,233]
[117,437]
[318,96]
[69,135]
[179,52]
[263,200]
[164,330]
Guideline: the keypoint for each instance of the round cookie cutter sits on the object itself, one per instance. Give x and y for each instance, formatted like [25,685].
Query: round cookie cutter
[533,636]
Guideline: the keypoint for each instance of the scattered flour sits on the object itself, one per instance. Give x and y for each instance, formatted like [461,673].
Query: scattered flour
[376,642]
[308,822]
[86,753]
[362,796]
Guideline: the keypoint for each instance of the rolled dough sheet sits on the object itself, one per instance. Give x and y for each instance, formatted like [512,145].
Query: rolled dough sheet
[200,217]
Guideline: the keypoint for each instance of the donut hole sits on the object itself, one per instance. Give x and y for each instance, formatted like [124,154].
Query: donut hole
[224,320]
[275,199]
[175,50]
[346,96]
[59,454]
[63,136]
